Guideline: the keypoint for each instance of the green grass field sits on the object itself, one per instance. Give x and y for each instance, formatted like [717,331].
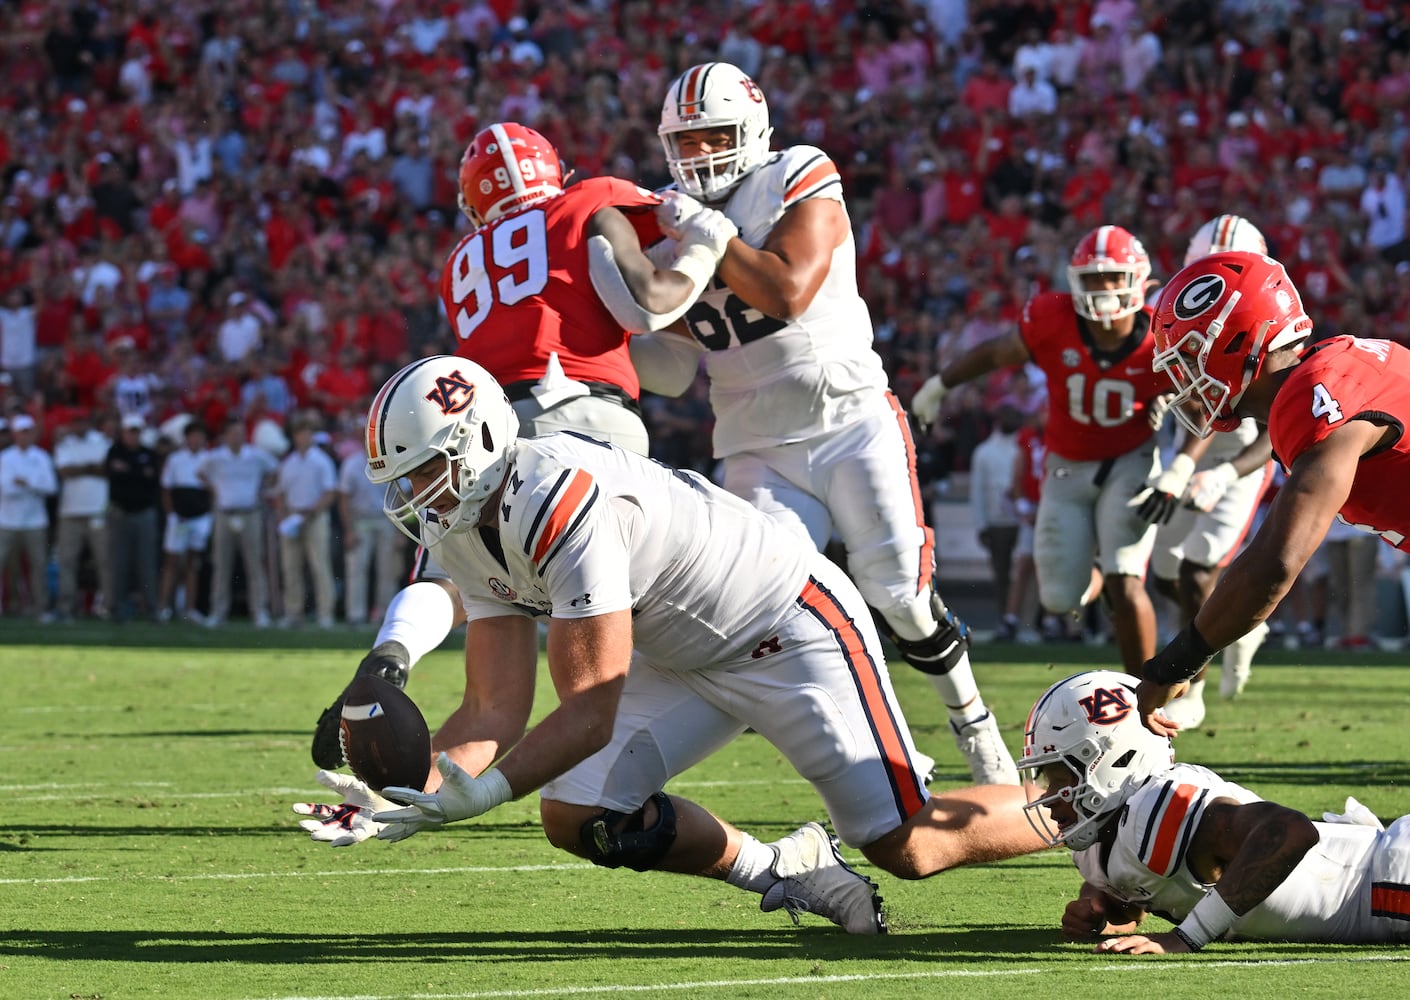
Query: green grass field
[148,848]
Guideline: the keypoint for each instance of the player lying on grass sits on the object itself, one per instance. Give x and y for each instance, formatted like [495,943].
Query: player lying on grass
[678,616]
[1177,840]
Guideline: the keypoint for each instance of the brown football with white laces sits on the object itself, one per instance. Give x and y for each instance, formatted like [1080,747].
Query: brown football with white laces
[384,735]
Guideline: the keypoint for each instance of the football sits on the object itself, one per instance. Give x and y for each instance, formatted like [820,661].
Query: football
[384,735]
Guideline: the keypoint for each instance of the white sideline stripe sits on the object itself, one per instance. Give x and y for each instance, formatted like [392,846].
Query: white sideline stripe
[1126,966]
[236,876]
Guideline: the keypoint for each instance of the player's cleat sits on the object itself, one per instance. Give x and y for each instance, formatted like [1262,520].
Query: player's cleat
[1188,709]
[813,878]
[389,661]
[990,762]
[1238,661]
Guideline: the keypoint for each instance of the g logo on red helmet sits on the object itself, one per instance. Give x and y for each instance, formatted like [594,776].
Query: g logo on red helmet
[1198,297]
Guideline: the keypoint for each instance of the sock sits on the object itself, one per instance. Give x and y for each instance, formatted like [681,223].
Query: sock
[752,866]
[958,690]
[419,617]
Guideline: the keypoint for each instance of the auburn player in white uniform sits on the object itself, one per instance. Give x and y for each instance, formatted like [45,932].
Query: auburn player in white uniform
[806,428]
[1204,532]
[736,621]
[1177,840]
[545,292]
[1102,479]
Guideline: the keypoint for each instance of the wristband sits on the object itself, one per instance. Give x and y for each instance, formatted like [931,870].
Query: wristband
[1210,919]
[1181,659]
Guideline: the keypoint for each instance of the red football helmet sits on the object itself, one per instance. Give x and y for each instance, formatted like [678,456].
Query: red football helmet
[506,167]
[1109,250]
[1215,322]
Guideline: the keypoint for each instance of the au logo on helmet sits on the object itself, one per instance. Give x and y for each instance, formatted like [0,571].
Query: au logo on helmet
[1105,706]
[453,394]
[1199,296]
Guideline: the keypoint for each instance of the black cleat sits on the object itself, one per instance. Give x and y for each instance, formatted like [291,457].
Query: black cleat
[389,661]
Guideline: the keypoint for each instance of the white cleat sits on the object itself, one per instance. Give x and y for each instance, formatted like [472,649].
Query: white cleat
[1188,709]
[1238,661]
[990,762]
[813,878]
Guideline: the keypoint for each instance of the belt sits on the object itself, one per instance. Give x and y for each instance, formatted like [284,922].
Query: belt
[238,510]
[518,391]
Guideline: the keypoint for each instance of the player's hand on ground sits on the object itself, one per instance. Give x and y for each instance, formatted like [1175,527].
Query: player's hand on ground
[1151,698]
[925,404]
[1208,486]
[350,821]
[1084,917]
[1142,944]
[675,210]
[459,797]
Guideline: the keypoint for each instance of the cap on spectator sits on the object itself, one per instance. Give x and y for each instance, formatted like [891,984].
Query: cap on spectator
[355,45]
[1350,35]
[1403,267]
[236,299]
[926,166]
[1305,163]
[132,422]
[1237,119]
[22,177]
[1025,252]
[22,422]
[76,105]
[124,343]
[1189,119]
[1101,21]
[517,24]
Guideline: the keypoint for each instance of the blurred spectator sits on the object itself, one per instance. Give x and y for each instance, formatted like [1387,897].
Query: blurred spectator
[133,470]
[186,503]
[79,457]
[1351,584]
[991,504]
[241,332]
[237,473]
[372,547]
[27,479]
[18,345]
[306,485]
[1383,206]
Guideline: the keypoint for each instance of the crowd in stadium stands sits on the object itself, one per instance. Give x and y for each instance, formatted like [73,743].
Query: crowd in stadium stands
[238,210]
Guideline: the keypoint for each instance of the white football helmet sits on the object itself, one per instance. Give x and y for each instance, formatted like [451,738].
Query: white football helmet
[1222,233]
[439,407]
[1089,725]
[715,95]
[1109,250]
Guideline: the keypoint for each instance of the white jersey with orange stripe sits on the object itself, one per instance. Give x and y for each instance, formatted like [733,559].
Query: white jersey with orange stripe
[586,528]
[1328,896]
[776,382]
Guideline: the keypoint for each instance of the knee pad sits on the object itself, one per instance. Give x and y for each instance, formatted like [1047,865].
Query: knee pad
[617,839]
[940,652]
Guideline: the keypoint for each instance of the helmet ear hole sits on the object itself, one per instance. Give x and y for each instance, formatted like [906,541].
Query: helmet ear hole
[1125,759]
[486,437]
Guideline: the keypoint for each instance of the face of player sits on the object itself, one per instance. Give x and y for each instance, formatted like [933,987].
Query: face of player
[431,484]
[705,141]
[1052,779]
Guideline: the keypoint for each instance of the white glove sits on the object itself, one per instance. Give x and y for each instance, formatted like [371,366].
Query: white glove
[351,821]
[1356,814]
[1158,501]
[1157,409]
[925,404]
[459,797]
[1208,486]
[675,210]
[708,229]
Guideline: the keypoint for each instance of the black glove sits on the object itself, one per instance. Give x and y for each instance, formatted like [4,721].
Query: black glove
[389,661]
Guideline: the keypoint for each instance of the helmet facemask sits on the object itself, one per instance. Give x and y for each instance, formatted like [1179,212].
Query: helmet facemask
[713,176]
[471,488]
[1106,305]
[714,97]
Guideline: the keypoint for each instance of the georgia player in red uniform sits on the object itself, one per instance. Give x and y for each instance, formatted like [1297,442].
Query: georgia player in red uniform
[1232,335]
[546,293]
[1093,344]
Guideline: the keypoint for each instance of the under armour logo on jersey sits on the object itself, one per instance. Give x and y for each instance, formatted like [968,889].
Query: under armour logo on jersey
[582,601]
[771,645]
[452,393]
[1106,706]
[1199,296]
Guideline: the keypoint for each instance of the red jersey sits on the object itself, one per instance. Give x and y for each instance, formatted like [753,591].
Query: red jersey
[1341,379]
[519,288]
[1097,400]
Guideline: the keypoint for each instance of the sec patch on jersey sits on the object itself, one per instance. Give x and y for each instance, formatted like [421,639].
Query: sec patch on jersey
[383,735]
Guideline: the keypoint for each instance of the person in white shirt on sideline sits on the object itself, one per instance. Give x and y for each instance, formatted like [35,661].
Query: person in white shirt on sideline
[186,501]
[26,479]
[992,505]
[306,486]
[237,473]
[83,512]
[371,546]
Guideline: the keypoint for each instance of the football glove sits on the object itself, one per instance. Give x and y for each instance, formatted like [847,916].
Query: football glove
[1208,486]
[925,404]
[1157,409]
[1160,498]
[709,229]
[349,822]
[675,210]
[459,797]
